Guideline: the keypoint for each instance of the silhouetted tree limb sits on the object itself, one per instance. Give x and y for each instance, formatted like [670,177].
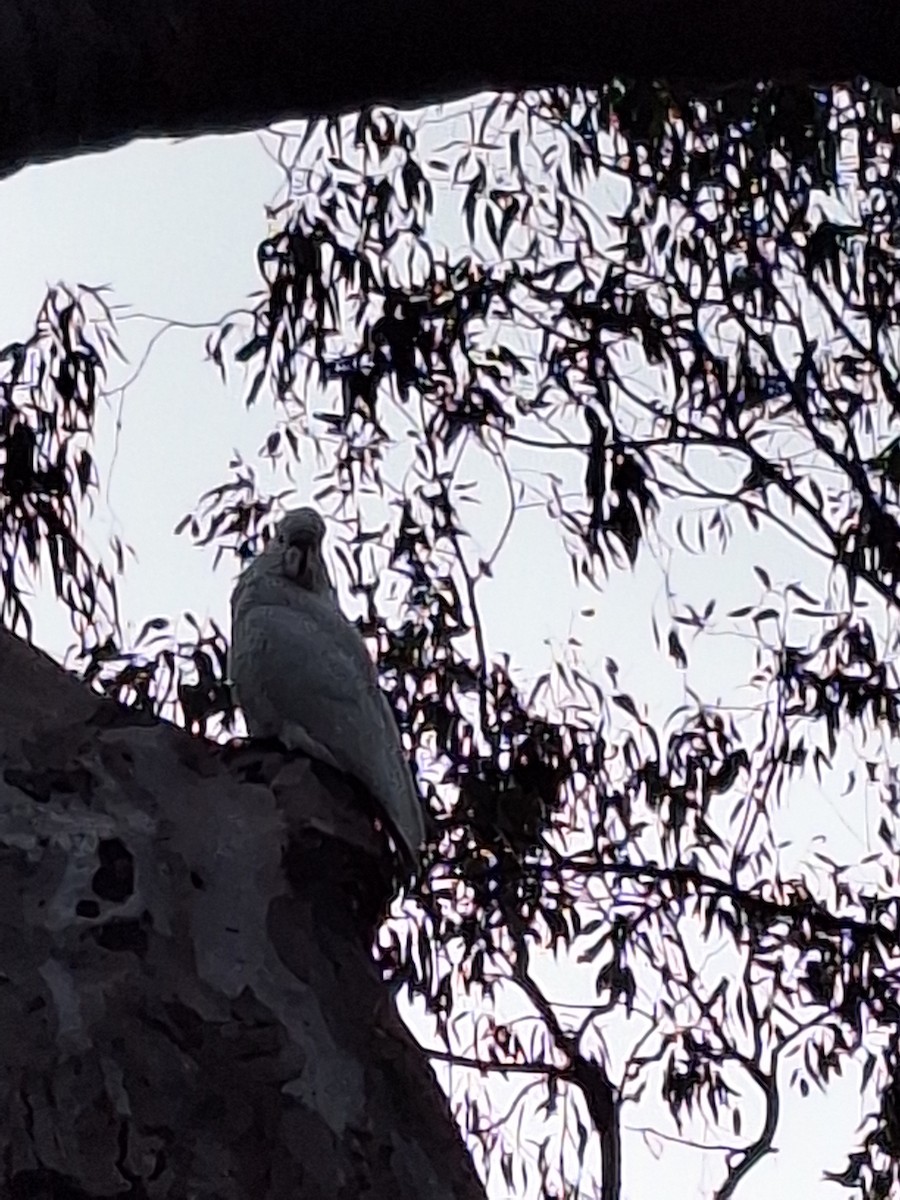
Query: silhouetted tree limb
[187,969]
[94,73]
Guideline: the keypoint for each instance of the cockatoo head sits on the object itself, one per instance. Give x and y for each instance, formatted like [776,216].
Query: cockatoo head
[296,549]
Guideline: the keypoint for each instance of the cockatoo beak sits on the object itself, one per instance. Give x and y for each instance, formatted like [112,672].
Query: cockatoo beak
[295,562]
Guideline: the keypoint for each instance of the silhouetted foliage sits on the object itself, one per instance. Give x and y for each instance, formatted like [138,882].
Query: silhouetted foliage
[724,331]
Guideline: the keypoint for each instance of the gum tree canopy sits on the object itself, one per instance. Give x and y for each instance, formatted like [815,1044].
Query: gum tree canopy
[672,332]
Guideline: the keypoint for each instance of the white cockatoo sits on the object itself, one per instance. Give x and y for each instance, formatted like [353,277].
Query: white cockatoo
[302,674]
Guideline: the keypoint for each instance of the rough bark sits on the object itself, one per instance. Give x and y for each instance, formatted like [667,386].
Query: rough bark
[90,74]
[188,1006]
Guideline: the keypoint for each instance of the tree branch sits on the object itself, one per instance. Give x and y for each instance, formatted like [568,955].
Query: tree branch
[92,74]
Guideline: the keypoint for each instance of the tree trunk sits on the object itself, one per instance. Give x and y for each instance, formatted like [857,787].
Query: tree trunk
[188,1004]
[90,74]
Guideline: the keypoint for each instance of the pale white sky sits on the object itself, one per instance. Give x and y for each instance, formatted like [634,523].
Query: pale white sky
[173,228]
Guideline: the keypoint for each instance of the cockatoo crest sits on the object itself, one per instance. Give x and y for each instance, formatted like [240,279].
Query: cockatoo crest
[302,674]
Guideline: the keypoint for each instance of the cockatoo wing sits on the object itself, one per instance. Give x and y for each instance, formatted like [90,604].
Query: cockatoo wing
[302,674]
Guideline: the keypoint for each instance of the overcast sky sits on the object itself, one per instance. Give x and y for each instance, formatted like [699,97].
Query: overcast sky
[173,229]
